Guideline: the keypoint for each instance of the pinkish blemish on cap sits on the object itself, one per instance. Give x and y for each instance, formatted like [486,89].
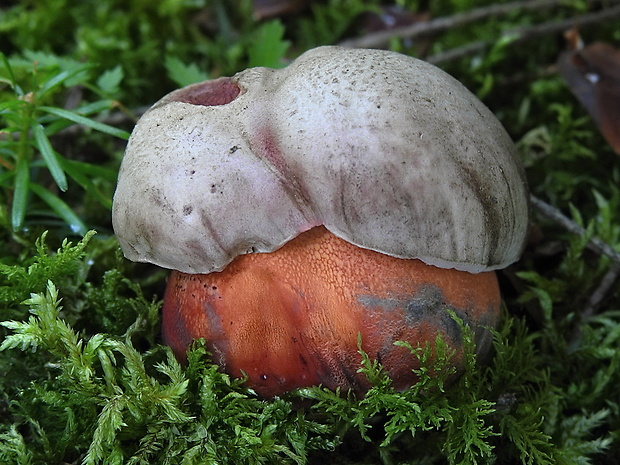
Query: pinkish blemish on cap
[209,93]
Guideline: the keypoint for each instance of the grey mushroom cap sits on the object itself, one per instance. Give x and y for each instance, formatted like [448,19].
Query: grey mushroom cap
[386,151]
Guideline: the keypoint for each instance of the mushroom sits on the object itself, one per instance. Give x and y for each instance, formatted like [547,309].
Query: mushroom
[353,193]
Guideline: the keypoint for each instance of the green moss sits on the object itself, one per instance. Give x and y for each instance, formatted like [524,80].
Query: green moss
[95,398]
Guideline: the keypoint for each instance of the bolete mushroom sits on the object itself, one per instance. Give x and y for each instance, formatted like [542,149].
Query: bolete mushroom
[355,192]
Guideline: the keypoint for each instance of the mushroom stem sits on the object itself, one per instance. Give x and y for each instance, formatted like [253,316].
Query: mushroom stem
[305,305]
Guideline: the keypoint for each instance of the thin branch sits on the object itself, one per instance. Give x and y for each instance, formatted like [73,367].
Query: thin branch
[551,213]
[382,38]
[595,244]
[458,52]
[603,289]
[594,302]
[525,34]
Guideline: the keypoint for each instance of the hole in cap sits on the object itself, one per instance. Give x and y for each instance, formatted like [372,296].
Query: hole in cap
[210,93]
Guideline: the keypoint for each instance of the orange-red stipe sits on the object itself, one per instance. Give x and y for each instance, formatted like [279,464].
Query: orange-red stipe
[291,318]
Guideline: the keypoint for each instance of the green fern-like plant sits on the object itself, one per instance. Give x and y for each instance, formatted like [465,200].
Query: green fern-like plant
[117,396]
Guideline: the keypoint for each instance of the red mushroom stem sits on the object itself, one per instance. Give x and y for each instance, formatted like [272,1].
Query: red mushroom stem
[291,318]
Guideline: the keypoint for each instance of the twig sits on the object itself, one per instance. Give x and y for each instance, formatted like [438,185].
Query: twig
[458,52]
[525,34]
[594,243]
[601,291]
[594,303]
[382,38]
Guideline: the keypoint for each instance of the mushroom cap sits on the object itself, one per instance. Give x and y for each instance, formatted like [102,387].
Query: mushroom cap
[386,151]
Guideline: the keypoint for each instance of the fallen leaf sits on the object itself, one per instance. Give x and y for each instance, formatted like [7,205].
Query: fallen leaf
[593,75]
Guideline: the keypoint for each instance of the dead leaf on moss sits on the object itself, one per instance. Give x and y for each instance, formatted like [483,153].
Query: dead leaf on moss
[593,75]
